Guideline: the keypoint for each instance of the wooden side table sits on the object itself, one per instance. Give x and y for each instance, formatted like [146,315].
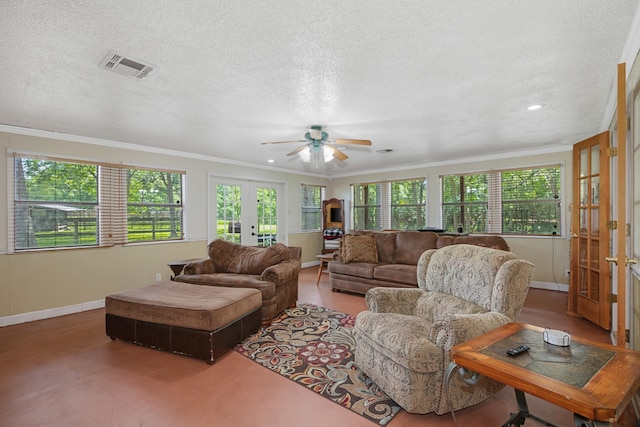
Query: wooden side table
[593,380]
[324,263]
[178,266]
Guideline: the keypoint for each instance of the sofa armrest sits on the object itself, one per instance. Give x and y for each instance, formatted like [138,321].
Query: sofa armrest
[202,266]
[458,328]
[392,300]
[282,272]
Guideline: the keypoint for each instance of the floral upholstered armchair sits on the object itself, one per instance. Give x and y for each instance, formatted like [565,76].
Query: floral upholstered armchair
[404,340]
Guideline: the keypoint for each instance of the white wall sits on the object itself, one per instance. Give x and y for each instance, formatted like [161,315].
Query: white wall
[46,280]
[549,254]
[40,280]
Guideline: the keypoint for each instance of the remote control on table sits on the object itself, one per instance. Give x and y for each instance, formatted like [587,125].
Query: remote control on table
[517,350]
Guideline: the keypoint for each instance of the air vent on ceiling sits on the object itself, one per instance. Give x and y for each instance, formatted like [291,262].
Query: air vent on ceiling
[125,66]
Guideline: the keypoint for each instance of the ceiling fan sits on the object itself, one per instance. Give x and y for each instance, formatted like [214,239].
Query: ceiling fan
[318,144]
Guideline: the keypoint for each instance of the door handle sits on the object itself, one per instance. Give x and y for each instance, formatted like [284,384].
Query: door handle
[627,261]
[574,236]
[253,234]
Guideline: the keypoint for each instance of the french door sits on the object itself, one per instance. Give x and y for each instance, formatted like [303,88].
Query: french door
[595,242]
[590,273]
[246,212]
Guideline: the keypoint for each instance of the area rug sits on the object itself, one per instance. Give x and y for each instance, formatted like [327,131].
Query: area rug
[314,346]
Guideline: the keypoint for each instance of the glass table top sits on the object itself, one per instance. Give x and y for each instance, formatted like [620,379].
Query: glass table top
[575,364]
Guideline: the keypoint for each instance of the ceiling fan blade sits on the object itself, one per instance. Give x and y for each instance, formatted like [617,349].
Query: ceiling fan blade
[297,150]
[353,141]
[337,153]
[283,142]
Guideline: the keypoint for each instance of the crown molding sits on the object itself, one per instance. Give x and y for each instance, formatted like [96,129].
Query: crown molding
[143,148]
[497,156]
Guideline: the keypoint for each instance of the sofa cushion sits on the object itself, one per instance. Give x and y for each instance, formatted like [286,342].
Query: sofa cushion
[229,280]
[180,304]
[494,242]
[436,306]
[401,338]
[359,269]
[444,240]
[233,258]
[397,273]
[386,243]
[256,260]
[359,249]
[465,271]
[411,244]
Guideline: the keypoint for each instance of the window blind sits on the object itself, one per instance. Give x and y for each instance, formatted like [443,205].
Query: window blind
[517,201]
[394,204]
[311,197]
[57,202]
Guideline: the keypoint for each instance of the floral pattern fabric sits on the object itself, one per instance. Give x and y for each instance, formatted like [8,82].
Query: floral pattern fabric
[314,347]
[404,340]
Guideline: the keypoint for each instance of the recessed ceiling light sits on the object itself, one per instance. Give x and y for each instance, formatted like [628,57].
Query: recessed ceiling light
[534,107]
[271,161]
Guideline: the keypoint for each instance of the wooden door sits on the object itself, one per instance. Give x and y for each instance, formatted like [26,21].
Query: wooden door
[620,240]
[634,162]
[590,273]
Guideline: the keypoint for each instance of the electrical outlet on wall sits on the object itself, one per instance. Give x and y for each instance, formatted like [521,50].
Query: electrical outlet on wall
[567,273]
[158,277]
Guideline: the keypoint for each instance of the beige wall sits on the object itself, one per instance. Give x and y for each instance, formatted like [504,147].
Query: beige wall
[49,279]
[549,254]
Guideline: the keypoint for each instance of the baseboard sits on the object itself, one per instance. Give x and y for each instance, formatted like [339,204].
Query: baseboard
[562,287]
[93,305]
[49,313]
[309,264]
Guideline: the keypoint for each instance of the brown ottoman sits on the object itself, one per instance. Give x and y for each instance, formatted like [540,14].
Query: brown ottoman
[193,320]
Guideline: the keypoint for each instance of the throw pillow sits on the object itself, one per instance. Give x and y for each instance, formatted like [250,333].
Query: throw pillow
[359,249]
[252,260]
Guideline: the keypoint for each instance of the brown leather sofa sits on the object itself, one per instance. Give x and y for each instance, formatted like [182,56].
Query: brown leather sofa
[272,270]
[368,259]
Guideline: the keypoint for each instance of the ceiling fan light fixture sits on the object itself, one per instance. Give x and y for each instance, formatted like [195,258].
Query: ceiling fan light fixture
[328,153]
[305,155]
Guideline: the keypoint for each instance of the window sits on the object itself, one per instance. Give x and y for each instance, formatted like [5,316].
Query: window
[154,205]
[366,209]
[311,197]
[408,204]
[531,201]
[465,203]
[55,204]
[518,201]
[397,205]
[61,203]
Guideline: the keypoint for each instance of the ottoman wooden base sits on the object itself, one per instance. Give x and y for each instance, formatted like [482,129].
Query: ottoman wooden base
[163,334]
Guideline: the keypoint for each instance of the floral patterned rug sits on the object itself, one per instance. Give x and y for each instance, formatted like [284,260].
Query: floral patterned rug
[314,346]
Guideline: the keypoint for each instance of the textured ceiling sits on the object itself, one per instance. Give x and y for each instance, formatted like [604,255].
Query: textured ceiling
[431,80]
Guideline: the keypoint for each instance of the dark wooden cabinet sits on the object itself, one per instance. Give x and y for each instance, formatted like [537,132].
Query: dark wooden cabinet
[332,224]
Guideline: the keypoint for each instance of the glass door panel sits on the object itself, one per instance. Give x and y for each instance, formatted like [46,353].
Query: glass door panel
[590,281]
[229,212]
[267,216]
[246,212]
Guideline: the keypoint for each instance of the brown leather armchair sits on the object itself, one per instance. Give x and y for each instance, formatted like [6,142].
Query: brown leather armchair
[272,270]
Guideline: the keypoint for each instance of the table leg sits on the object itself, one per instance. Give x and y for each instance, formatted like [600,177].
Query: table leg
[581,421]
[523,413]
[176,268]
[320,267]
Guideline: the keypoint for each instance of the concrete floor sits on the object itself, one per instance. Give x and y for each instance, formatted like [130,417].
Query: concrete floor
[66,372]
